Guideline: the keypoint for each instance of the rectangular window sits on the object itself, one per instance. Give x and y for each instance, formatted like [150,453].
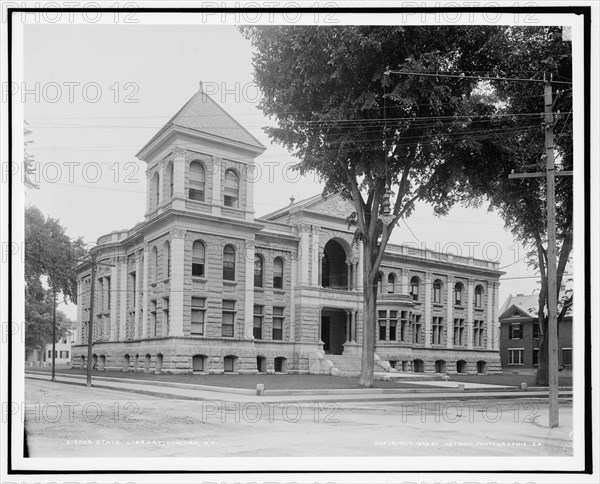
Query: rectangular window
[516,331]
[477,299]
[458,296]
[536,331]
[478,333]
[515,356]
[227,325]
[536,357]
[382,325]
[196,193]
[198,269]
[393,324]
[416,329]
[277,323]
[258,321]
[166,315]
[153,318]
[437,293]
[438,330]
[459,332]
[567,356]
[198,312]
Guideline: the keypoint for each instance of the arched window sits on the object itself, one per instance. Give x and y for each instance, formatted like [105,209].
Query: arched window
[478,296]
[154,268]
[437,291]
[229,263]
[155,191]
[414,288]
[278,273]
[258,271]
[198,257]
[458,288]
[232,189]
[167,260]
[197,181]
[170,180]
[391,288]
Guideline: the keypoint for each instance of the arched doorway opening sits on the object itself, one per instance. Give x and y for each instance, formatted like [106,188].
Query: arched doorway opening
[334,270]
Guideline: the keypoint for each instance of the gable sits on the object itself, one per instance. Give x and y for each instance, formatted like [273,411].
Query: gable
[333,205]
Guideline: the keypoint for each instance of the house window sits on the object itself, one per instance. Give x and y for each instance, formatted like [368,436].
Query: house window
[393,324]
[536,331]
[458,288]
[382,325]
[155,191]
[391,284]
[170,174]
[567,356]
[258,271]
[437,291]
[232,189]
[459,332]
[258,321]
[198,259]
[229,263]
[515,331]
[197,181]
[414,288]
[536,357]
[228,318]
[198,313]
[154,268]
[277,323]
[477,333]
[167,261]
[478,296]
[416,328]
[515,356]
[379,283]
[278,273]
[404,321]
[132,288]
[438,330]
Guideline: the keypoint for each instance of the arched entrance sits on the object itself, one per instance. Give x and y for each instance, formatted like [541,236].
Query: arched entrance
[333,330]
[334,270]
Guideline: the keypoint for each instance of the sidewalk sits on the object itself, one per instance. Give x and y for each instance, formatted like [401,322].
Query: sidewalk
[182,391]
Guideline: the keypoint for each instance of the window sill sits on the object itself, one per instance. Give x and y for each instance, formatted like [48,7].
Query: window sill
[229,283]
[438,305]
[459,306]
[259,289]
[279,291]
[199,279]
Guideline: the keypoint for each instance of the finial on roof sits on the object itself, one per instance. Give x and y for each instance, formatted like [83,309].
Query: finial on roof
[200,86]
[292,200]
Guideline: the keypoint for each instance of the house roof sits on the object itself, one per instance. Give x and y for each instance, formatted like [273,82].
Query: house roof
[204,116]
[527,304]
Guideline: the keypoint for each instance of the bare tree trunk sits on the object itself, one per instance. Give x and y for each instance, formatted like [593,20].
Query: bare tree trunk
[542,377]
[369,318]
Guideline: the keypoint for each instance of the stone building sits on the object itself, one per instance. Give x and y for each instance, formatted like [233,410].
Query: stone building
[203,285]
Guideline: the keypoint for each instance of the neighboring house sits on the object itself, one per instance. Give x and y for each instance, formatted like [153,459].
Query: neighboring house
[202,285]
[62,348]
[520,334]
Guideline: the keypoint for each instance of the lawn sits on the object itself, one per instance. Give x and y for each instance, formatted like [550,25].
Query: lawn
[271,382]
[507,379]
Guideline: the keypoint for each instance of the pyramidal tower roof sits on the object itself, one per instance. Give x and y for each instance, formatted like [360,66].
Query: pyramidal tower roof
[204,116]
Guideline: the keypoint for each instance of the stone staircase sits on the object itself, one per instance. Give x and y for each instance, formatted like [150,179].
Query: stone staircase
[350,366]
[344,365]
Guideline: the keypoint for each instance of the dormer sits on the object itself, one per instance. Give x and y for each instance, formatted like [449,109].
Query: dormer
[201,161]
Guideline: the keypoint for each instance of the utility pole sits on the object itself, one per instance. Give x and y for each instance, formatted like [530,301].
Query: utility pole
[91,322]
[552,295]
[53,334]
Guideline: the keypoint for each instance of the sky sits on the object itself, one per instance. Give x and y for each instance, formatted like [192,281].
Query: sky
[93,95]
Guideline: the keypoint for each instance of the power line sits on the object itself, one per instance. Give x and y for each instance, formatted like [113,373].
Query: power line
[480,78]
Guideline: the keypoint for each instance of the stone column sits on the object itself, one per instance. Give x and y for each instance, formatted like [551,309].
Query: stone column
[353,323]
[315,256]
[123,291]
[361,264]
[249,181]
[161,185]
[490,315]
[217,168]
[355,274]
[349,264]
[146,291]
[470,314]
[136,303]
[294,282]
[347,325]
[404,282]
[177,280]
[450,312]
[114,302]
[148,193]
[495,323]
[304,257]
[320,324]
[320,269]
[249,290]
[179,168]
[427,315]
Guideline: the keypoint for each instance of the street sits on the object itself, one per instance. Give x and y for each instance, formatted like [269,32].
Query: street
[64,420]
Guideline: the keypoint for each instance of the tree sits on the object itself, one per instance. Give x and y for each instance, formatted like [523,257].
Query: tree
[383,142]
[50,260]
[39,309]
[533,52]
